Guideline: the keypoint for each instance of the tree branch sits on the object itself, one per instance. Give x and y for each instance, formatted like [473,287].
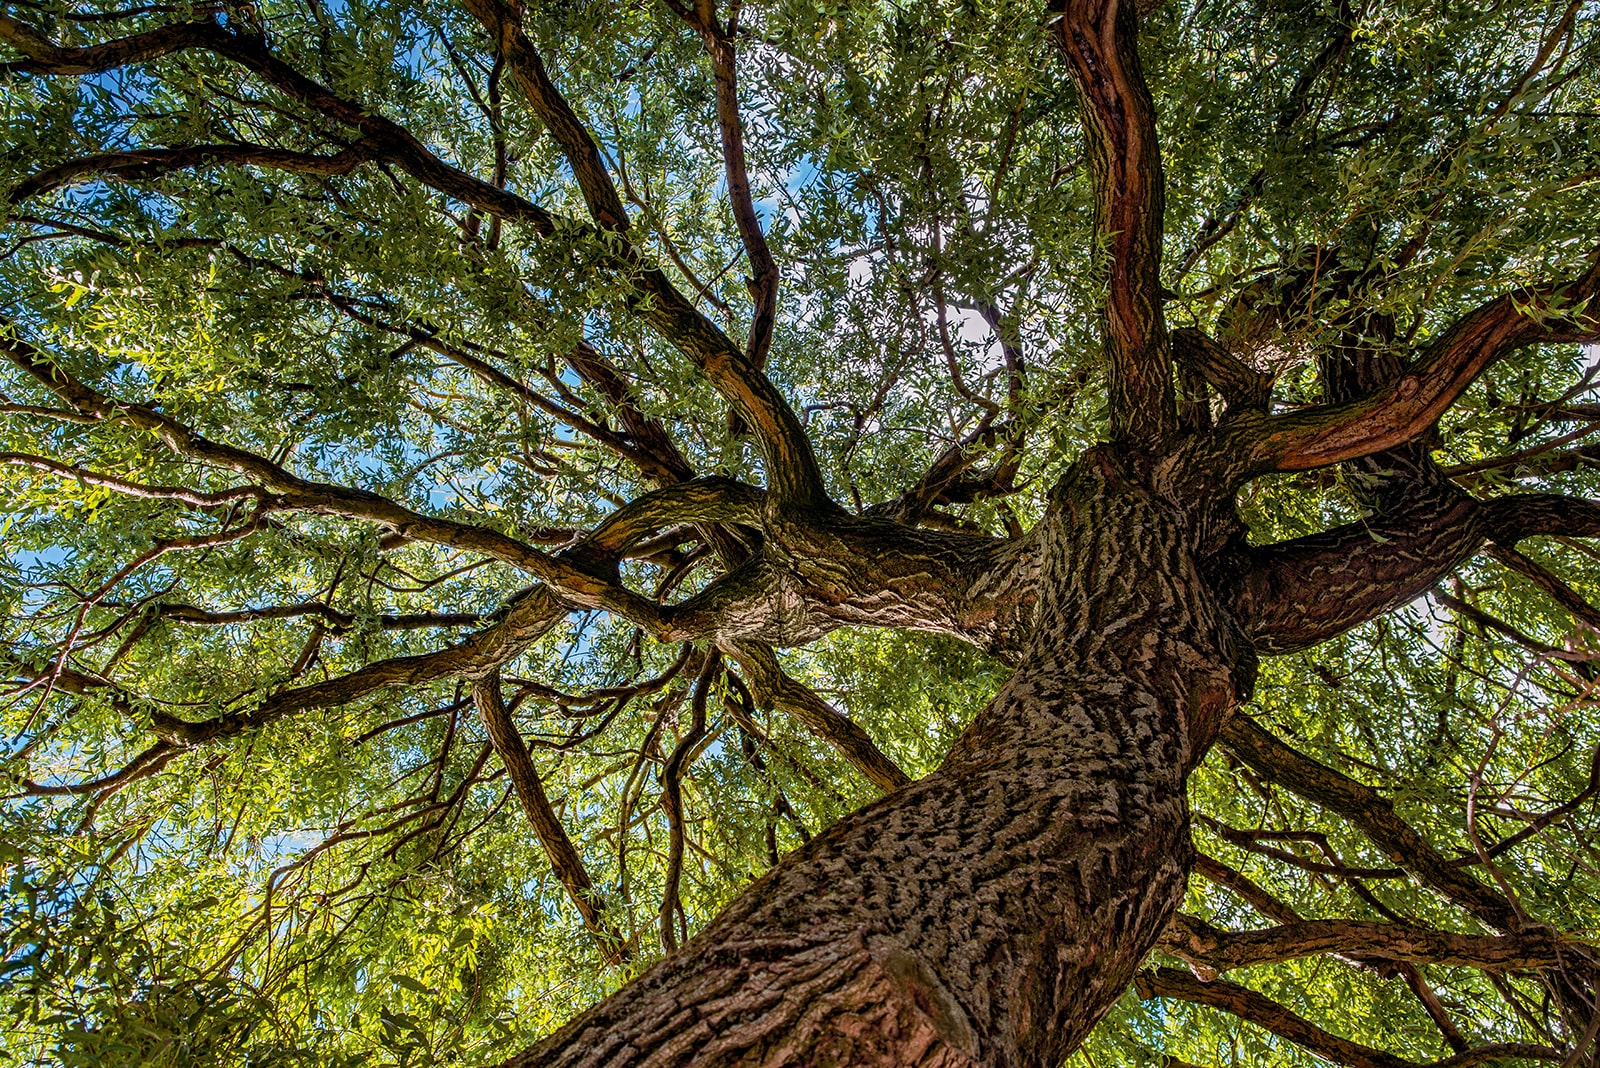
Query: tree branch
[763,281]
[564,858]
[792,471]
[127,487]
[1412,403]
[1281,1021]
[156,162]
[774,687]
[1211,949]
[292,492]
[1295,594]
[671,912]
[792,467]
[384,138]
[1100,39]
[1371,812]
[1241,386]
[1542,577]
[525,619]
[46,57]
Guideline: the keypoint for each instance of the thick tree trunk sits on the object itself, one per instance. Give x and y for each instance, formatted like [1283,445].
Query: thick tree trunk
[990,913]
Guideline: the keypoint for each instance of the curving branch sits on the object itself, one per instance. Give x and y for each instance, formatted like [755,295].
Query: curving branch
[1100,40]
[702,500]
[564,858]
[792,472]
[1241,386]
[1409,405]
[763,280]
[381,137]
[1295,594]
[144,164]
[46,57]
[523,621]
[672,921]
[1285,1023]
[792,467]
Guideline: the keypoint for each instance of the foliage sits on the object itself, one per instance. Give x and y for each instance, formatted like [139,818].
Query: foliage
[356,883]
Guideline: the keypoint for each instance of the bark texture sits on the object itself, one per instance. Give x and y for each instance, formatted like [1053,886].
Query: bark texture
[992,912]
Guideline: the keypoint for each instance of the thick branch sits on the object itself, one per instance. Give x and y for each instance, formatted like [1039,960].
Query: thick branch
[1411,404]
[1100,39]
[702,500]
[1296,594]
[1241,386]
[1211,949]
[45,57]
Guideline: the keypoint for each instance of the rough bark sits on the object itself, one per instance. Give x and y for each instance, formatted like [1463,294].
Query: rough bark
[990,913]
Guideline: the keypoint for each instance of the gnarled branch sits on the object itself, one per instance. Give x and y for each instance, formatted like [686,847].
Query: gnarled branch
[1404,408]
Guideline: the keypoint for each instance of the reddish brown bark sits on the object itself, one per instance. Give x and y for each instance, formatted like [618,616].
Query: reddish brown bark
[993,911]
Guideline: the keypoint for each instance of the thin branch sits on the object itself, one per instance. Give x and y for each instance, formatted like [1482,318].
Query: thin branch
[292,492]
[671,912]
[198,498]
[1371,812]
[1283,1022]
[773,686]
[564,858]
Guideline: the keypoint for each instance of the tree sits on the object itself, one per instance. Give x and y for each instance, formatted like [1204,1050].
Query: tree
[486,483]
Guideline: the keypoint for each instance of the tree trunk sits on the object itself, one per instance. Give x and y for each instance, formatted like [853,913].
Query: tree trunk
[992,912]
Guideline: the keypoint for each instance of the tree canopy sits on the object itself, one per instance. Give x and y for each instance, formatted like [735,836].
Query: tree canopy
[411,418]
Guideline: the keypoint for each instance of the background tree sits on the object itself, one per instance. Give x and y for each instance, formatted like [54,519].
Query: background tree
[485,484]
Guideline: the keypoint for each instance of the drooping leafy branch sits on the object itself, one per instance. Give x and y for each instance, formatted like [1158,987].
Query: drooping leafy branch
[687,554]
